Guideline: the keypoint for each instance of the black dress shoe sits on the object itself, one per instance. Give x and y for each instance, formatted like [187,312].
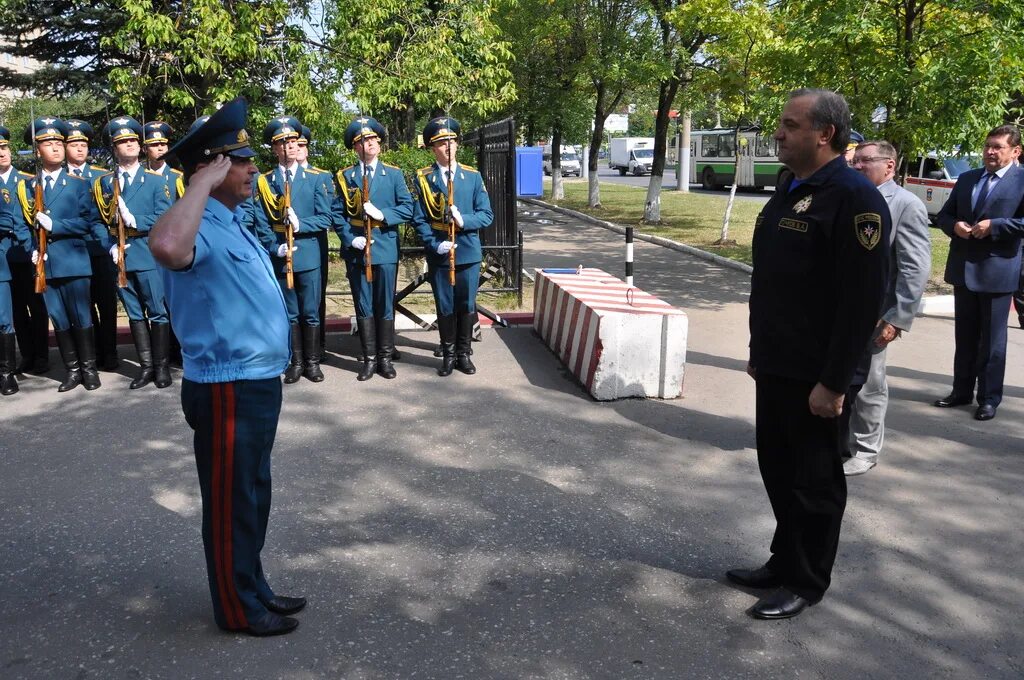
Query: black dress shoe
[781,604]
[985,412]
[952,399]
[270,624]
[285,606]
[762,577]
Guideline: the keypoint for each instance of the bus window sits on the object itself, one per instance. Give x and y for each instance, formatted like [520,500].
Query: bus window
[727,146]
[766,146]
[709,146]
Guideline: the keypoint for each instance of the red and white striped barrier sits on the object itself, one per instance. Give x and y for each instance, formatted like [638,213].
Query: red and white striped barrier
[617,340]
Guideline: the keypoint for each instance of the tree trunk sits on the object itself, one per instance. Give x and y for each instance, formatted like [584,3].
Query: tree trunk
[557,188]
[666,95]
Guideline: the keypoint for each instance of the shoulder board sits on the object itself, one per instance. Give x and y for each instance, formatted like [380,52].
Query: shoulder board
[25,174]
[350,167]
[268,173]
[175,171]
[393,167]
[313,171]
[319,169]
[154,173]
[108,173]
[98,167]
[463,166]
[80,179]
[426,171]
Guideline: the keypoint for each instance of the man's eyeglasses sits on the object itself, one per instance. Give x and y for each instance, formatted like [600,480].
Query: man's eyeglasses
[859,160]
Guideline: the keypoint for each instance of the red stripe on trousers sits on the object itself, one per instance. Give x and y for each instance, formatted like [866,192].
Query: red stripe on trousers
[216,521]
[229,477]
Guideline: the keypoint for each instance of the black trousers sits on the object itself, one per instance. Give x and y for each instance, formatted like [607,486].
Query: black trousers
[103,308]
[980,331]
[800,459]
[31,321]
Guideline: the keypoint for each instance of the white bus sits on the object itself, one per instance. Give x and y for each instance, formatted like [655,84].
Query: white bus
[713,158]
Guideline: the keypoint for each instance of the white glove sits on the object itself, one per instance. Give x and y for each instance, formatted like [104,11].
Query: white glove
[44,221]
[457,216]
[293,219]
[444,246]
[126,214]
[373,211]
[359,243]
[35,257]
[282,250]
[113,251]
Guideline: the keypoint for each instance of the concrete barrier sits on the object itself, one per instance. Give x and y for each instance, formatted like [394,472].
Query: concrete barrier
[618,341]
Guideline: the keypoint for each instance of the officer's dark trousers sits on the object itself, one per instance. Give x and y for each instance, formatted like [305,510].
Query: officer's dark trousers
[980,331]
[103,293]
[458,300]
[31,322]
[235,424]
[799,457]
[375,299]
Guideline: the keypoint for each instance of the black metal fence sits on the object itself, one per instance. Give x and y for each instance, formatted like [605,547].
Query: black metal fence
[495,145]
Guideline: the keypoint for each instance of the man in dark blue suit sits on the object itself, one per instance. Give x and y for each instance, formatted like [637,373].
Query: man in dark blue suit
[984,217]
[387,205]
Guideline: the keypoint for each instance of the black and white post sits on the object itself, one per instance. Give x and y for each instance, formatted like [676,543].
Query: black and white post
[629,256]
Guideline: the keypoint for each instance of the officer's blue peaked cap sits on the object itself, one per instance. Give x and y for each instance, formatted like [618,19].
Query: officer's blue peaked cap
[5,135]
[282,127]
[158,132]
[307,135]
[221,133]
[78,131]
[440,129]
[47,128]
[363,127]
[123,127]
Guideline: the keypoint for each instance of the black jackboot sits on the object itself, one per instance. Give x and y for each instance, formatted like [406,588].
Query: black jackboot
[446,329]
[464,343]
[69,355]
[85,341]
[311,353]
[8,383]
[140,334]
[161,333]
[368,341]
[385,347]
[294,370]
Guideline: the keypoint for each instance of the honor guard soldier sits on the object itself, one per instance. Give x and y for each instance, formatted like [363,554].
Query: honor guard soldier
[157,135]
[130,199]
[294,201]
[372,201]
[820,254]
[59,210]
[102,283]
[230,315]
[302,156]
[13,236]
[31,323]
[447,192]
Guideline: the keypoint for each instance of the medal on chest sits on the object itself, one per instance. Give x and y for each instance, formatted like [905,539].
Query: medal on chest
[802,205]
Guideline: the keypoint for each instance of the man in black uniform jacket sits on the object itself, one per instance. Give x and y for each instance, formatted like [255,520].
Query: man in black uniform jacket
[819,256]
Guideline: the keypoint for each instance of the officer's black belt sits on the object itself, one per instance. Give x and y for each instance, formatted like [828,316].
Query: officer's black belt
[128,232]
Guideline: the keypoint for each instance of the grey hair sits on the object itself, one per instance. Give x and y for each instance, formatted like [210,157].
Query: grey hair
[885,149]
[829,108]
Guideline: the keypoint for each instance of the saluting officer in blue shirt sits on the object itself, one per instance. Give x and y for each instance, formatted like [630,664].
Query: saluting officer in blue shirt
[132,198]
[471,211]
[387,205]
[67,219]
[308,214]
[156,137]
[102,283]
[230,315]
[13,235]
[31,324]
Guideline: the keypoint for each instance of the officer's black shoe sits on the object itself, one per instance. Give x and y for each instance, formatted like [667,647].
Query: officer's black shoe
[762,577]
[161,333]
[311,353]
[271,624]
[952,399]
[69,355]
[8,383]
[285,606]
[85,341]
[294,370]
[781,604]
[985,412]
[385,347]
[446,327]
[140,335]
[367,329]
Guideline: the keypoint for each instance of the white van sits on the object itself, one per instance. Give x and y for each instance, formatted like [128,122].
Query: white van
[931,178]
[570,161]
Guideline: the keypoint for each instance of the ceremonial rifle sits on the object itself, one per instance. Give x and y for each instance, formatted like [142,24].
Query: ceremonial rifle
[122,271]
[289,266]
[367,227]
[451,218]
[40,207]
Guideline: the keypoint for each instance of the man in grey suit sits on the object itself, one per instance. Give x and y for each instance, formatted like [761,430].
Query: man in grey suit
[910,261]
[984,218]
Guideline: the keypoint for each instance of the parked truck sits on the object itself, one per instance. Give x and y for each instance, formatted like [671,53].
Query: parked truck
[634,155]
